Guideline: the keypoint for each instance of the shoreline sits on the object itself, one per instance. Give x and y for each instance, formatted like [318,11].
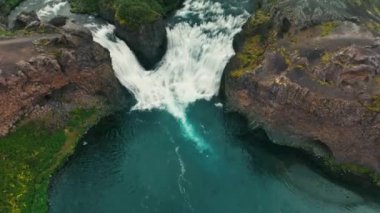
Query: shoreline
[367,192]
[28,192]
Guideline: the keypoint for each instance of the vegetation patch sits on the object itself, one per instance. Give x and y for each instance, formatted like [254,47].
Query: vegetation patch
[6,6]
[375,105]
[326,58]
[373,26]
[261,17]
[327,28]
[238,73]
[30,155]
[127,12]
[5,33]
[252,53]
[135,14]
[285,55]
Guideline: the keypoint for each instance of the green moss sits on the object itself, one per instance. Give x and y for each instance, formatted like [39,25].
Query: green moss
[85,6]
[323,83]
[253,52]
[373,26]
[327,28]
[375,105]
[238,73]
[326,58]
[30,155]
[135,14]
[286,56]
[127,12]
[261,17]
[6,6]
[5,33]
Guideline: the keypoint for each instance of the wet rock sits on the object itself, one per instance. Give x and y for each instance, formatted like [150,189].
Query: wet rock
[58,21]
[148,42]
[24,19]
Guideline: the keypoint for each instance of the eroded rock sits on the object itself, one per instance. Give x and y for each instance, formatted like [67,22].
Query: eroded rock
[308,73]
[55,74]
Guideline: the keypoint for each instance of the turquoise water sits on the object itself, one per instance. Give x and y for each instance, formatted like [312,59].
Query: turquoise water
[145,162]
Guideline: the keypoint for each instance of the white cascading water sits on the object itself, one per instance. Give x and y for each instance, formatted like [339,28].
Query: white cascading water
[51,9]
[192,67]
[199,47]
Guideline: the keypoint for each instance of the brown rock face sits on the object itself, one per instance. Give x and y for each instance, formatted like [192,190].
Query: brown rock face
[315,88]
[52,74]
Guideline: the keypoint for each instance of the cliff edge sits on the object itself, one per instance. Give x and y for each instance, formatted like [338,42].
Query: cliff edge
[308,72]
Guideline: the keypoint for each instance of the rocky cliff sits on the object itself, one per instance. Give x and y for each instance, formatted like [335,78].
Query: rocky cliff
[47,71]
[55,83]
[308,72]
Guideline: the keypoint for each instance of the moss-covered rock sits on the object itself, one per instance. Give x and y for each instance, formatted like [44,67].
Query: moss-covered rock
[133,13]
[307,72]
[140,23]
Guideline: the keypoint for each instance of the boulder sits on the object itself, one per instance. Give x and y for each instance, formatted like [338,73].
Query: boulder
[24,19]
[58,21]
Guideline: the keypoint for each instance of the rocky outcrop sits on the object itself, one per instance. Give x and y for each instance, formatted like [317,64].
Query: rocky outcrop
[55,83]
[148,41]
[308,72]
[140,23]
[52,74]
[24,19]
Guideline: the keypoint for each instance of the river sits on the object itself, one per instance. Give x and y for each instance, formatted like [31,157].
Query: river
[177,150]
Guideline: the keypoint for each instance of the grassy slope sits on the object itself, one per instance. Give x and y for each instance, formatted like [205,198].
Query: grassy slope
[31,154]
[128,12]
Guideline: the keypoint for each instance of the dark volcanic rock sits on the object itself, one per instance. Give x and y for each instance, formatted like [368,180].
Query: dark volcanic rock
[52,74]
[308,73]
[26,18]
[58,21]
[148,42]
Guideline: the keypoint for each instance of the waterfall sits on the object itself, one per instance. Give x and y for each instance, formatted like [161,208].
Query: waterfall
[199,46]
[193,65]
[198,50]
